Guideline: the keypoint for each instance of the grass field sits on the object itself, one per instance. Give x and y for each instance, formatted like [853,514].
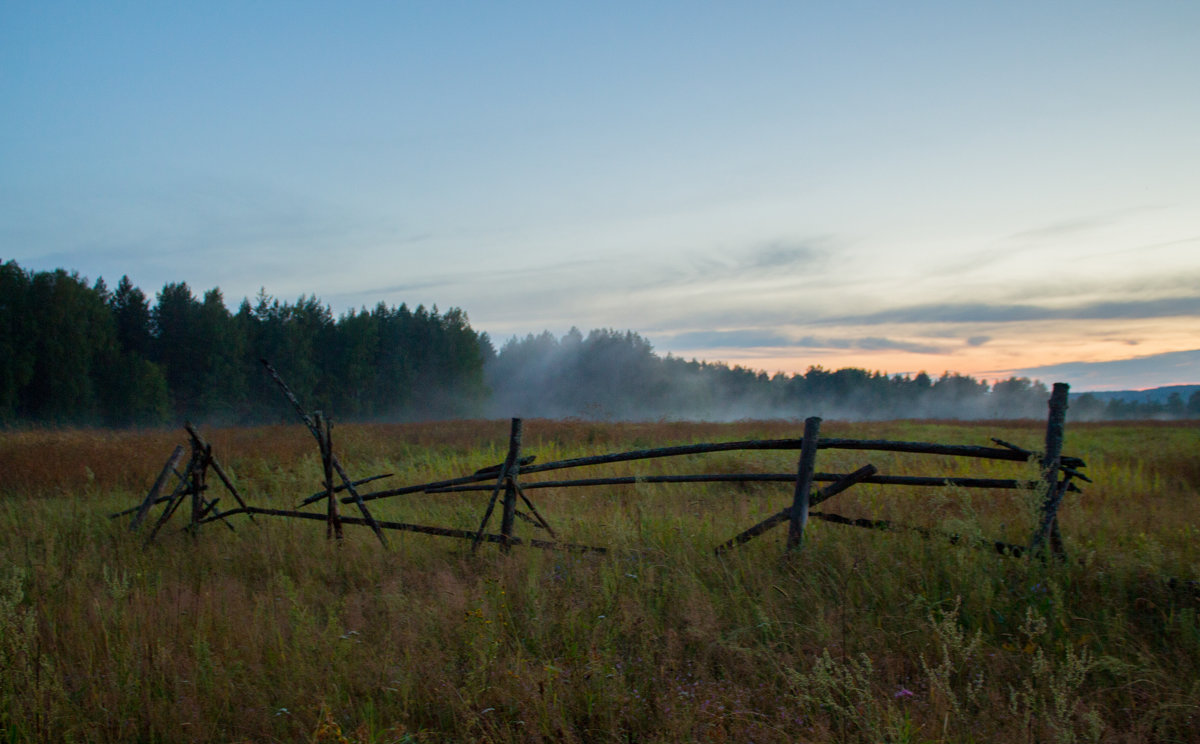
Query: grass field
[273,633]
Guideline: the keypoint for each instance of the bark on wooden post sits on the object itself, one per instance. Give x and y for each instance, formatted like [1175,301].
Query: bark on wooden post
[216,466]
[1047,528]
[804,480]
[333,524]
[512,468]
[200,455]
[510,462]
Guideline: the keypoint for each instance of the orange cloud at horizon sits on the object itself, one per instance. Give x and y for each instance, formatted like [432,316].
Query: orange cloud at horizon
[1006,352]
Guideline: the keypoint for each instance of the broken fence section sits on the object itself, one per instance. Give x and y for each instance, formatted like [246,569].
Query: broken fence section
[505,487]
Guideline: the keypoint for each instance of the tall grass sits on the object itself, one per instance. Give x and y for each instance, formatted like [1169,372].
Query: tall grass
[273,633]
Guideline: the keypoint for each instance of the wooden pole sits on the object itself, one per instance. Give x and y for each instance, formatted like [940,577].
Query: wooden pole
[426,530]
[804,480]
[156,489]
[1047,529]
[878,445]
[510,486]
[500,482]
[201,455]
[539,519]
[174,500]
[630,480]
[333,522]
[322,493]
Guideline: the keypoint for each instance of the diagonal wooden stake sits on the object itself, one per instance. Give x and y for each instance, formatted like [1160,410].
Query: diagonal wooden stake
[175,499]
[774,520]
[152,498]
[540,519]
[322,494]
[337,466]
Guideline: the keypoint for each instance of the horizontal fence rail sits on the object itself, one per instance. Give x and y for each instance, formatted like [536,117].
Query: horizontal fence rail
[887,480]
[878,445]
[404,527]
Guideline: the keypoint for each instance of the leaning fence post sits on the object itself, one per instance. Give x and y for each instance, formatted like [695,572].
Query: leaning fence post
[804,480]
[156,489]
[513,463]
[1047,528]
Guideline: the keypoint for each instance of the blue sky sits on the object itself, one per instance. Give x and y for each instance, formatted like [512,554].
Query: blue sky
[1009,188]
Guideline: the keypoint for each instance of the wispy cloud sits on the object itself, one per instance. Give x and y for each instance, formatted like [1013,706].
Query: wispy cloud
[1008,313]
[874,343]
[767,260]
[728,339]
[1171,368]
[1064,228]
[751,338]
[784,254]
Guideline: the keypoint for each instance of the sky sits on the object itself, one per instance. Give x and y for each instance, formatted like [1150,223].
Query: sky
[994,189]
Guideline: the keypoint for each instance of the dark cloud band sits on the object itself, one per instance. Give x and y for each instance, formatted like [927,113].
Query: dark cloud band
[1171,307]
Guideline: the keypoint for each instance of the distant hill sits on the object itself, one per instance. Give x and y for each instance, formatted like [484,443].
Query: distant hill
[1154,395]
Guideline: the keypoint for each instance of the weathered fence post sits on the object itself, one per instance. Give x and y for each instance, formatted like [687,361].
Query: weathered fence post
[333,524]
[512,468]
[216,466]
[804,480]
[1047,528]
[200,455]
[511,464]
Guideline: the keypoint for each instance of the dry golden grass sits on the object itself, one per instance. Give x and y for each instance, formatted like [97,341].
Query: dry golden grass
[274,634]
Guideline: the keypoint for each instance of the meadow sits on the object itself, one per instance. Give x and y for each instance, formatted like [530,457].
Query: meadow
[274,634]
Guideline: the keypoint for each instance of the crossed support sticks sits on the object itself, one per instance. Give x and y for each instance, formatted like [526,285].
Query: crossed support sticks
[192,482]
[803,498]
[506,478]
[320,429]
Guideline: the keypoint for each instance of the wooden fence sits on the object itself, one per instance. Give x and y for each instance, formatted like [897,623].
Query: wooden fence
[512,478]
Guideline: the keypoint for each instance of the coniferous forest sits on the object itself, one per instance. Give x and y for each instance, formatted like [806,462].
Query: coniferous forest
[74,352]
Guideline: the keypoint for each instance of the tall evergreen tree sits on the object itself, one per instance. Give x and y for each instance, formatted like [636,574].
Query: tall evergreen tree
[74,347]
[223,387]
[18,356]
[131,312]
[179,346]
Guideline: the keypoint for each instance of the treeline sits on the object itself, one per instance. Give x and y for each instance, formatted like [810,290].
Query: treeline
[616,375]
[78,353]
[1092,407]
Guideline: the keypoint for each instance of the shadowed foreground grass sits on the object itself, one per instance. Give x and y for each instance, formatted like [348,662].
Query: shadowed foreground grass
[274,634]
